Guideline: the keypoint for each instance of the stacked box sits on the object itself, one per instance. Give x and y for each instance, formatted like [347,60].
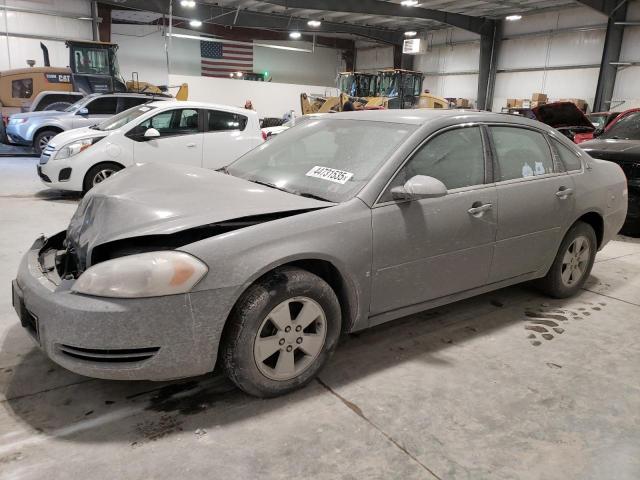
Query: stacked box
[541,98]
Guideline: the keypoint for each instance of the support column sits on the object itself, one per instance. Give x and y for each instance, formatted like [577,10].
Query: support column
[104,29]
[95,21]
[489,47]
[610,53]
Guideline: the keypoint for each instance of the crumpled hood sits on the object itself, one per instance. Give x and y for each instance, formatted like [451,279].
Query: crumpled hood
[562,114]
[154,199]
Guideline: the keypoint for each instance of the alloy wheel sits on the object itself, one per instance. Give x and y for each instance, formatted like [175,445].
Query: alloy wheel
[102,175]
[290,338]
[42,143]
[575,261]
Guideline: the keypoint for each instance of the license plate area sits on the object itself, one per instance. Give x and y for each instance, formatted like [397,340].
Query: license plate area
[27,319]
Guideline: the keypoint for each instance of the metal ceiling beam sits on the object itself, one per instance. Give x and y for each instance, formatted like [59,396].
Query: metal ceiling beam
[232,17]
[479,25]
[607,7]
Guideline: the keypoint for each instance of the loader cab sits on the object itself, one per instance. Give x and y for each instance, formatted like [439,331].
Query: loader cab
[94,67]
[402,88]
[357,84]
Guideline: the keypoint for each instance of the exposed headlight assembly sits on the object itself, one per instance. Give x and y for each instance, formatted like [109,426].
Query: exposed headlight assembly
[75,147]
[151,274]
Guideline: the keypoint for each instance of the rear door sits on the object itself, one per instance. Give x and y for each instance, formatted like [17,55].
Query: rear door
[180,139]
[227,136]
[125,103]
[100,108]
[535,201]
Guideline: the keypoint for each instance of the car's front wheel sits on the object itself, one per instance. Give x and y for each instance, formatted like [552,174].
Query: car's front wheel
[98,174]
[573,263]
[41,140]
[281,333]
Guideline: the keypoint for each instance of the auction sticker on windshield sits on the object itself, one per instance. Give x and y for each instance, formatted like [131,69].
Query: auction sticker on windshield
[331,174]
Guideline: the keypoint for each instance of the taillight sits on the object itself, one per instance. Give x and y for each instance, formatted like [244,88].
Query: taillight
[264,135]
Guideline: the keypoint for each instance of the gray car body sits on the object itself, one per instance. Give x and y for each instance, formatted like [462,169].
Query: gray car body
[24,133]
[384,259]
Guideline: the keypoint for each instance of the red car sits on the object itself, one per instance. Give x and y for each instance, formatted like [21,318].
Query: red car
[600,120]
[563,116]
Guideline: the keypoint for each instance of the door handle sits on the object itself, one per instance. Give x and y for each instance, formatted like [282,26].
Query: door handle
[478,210]
[564,192]
[191,145]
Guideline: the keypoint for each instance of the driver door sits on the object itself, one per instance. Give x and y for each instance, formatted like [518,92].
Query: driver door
[180,139]
[434,247]
[100,108]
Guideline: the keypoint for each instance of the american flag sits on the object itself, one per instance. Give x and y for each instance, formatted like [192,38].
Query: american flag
[220,59]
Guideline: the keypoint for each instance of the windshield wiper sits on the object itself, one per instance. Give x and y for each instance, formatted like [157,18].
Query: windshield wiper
[94,127]
[314,196]
[271,185]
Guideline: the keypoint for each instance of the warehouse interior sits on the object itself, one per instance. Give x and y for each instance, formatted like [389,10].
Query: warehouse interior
[504,382]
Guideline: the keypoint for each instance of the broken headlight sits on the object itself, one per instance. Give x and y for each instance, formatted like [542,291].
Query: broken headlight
[151,274]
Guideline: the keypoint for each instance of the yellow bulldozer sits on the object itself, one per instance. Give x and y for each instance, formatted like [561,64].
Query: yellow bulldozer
[388,89]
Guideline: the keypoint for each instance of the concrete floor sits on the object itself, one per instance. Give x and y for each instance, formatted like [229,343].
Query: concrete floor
[468,391]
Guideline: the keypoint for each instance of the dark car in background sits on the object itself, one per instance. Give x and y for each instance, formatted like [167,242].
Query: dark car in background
[621,144]
[600,120]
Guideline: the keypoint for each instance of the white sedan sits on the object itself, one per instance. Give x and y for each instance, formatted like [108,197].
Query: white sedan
[191,133]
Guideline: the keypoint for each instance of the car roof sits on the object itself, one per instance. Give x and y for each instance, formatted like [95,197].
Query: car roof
[427,115]
[214,106]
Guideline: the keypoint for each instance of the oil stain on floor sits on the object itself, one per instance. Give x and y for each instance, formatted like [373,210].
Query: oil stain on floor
[546,323]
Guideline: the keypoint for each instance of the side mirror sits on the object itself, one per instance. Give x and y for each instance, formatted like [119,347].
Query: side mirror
[420,186]
[83,111]
[151,133]
[597,132]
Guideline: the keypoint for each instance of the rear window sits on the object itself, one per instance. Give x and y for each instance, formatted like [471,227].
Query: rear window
[626,128]
[222,121]
[22,88]
[570,159]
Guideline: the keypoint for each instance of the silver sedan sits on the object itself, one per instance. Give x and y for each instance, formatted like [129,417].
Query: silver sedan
[341,223]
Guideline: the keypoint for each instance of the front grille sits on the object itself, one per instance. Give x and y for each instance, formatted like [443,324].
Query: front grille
[46,154]
[43,176]
[125,355]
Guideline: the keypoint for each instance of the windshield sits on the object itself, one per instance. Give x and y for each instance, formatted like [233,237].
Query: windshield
[626,128]
[123,118]
[346,83]
[598,119]
[330,159]
[388,86]
[95,61]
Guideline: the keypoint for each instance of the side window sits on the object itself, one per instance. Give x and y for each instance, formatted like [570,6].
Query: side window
[22,88]
[221,121]
[521,153]
[173,122]
[103,106]
[570,159]
[129,102]
[455,157]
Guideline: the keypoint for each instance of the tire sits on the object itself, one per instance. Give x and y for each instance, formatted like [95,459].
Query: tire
[299,352]
[3,133]
[571,268]
[57,106]
[99,173]
[42,138]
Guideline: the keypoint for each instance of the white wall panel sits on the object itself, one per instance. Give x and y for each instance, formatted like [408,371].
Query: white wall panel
[268,98]
[374,58]
[627,88]
[459,86]
[317,68]
[555,20]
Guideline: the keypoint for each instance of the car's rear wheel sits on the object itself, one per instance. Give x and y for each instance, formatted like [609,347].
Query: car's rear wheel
[98,174]
[281,333]
[573,263]
[42,139]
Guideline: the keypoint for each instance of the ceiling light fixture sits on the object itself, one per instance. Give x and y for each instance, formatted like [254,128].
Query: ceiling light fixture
[314,23]
[409,3]
[195,23]
[513,18]
[410,33]
[295,35]
[188,3]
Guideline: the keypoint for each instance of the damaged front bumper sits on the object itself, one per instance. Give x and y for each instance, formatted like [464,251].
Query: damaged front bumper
[159,338]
